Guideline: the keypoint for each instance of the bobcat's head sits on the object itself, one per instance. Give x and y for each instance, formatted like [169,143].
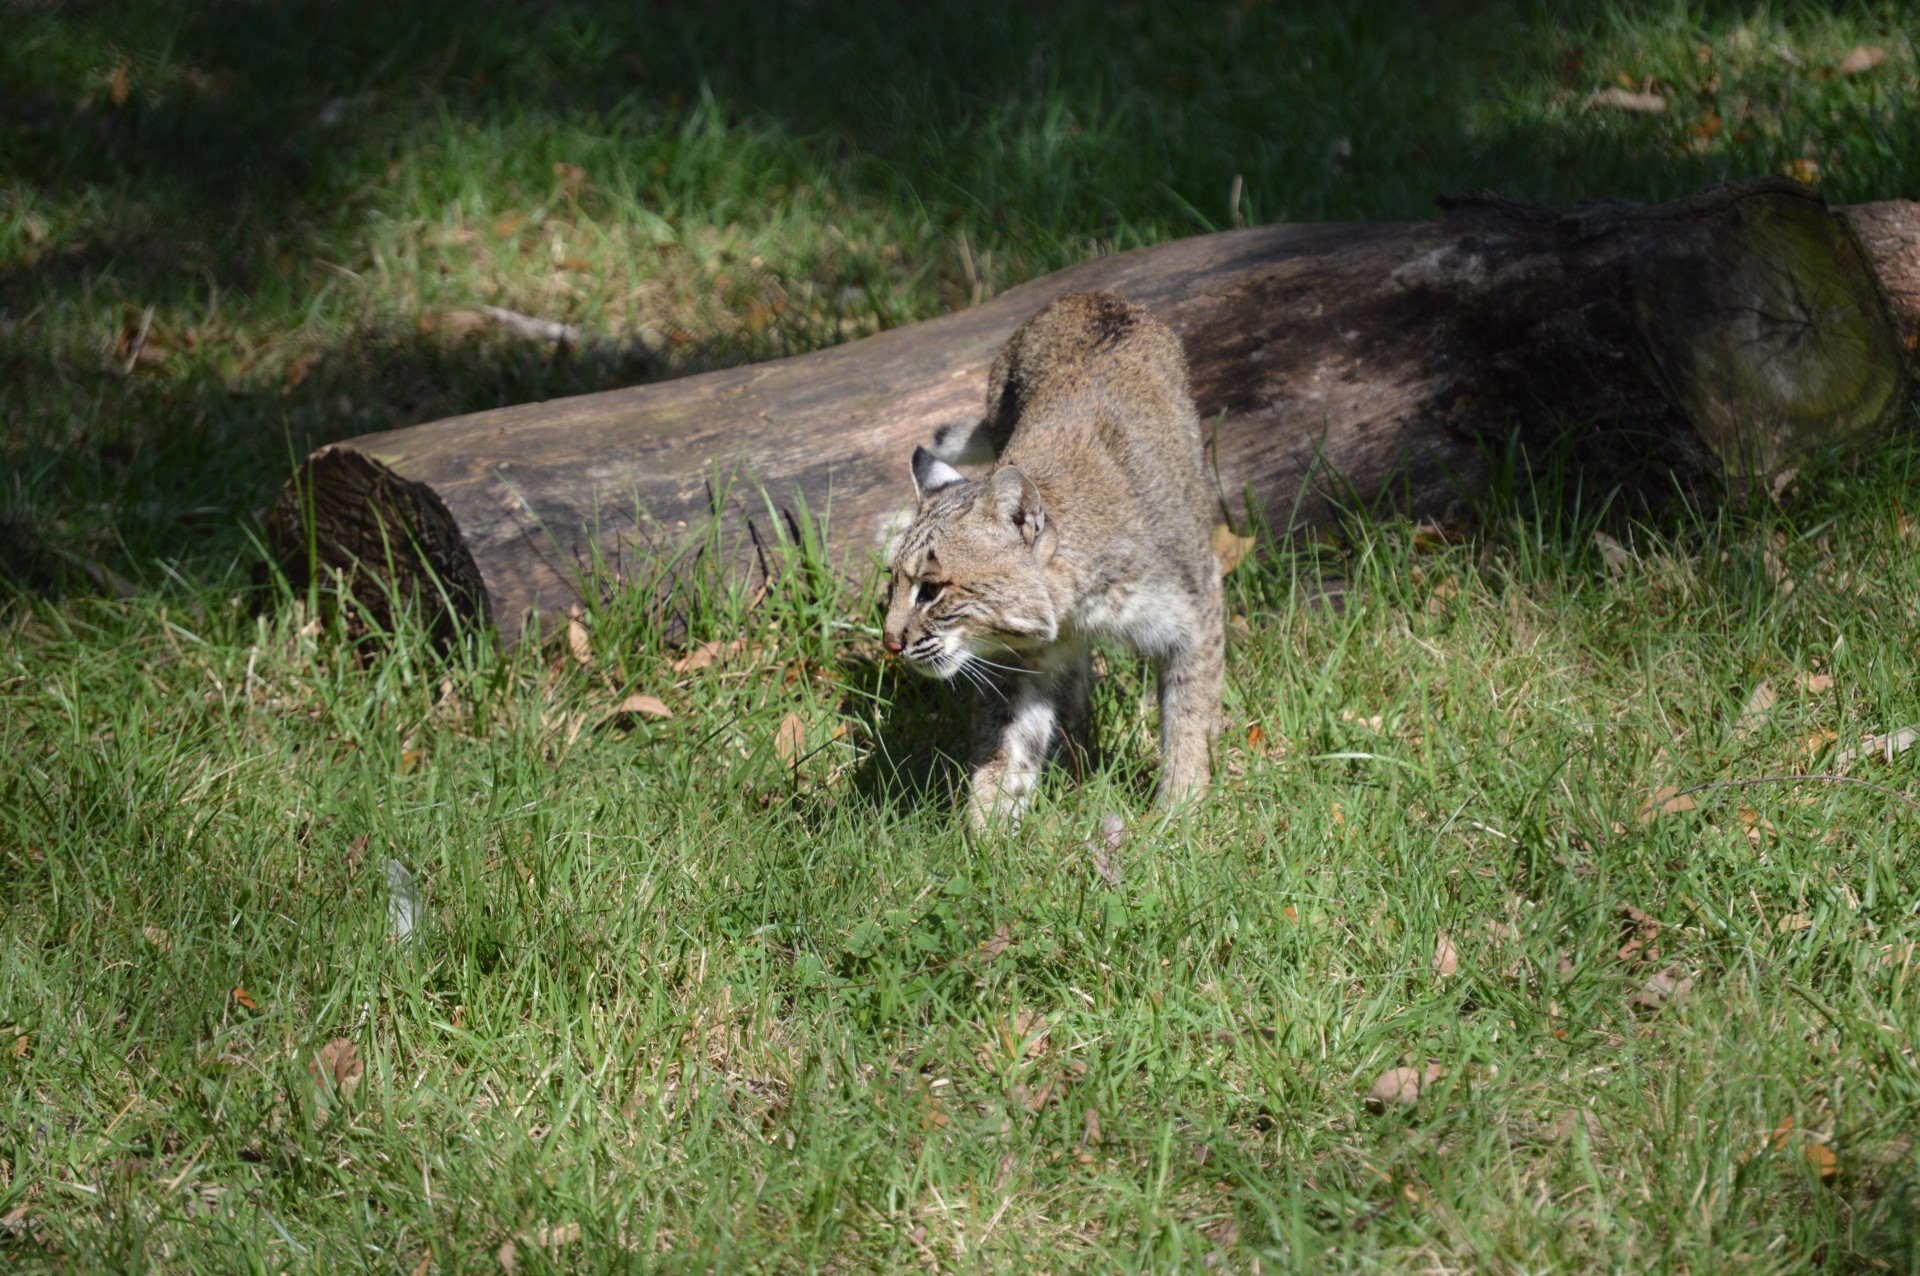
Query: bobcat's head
[969,574]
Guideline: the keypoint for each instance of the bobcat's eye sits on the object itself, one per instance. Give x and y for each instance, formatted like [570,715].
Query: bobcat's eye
[931,589]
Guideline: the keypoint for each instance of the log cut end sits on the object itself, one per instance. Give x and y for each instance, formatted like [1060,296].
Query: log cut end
[1769,330]
[383,544]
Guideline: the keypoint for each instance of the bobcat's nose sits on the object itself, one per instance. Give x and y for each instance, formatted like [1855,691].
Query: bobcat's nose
[893,646]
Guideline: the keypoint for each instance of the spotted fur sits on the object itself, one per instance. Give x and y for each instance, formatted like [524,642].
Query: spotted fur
[1091,527]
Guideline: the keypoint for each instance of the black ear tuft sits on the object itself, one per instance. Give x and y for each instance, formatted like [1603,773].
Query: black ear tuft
[930,473]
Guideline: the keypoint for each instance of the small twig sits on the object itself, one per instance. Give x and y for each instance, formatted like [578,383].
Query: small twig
[1796,779]
[529,326]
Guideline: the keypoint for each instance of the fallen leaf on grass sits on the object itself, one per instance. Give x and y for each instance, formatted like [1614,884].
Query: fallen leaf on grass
[337,1068]
[1103,851]
[1667,986]
[1813,683]
[1618,99]
[1401,1087]
[1638,934]
[1770,564]
[790,741]
[579,641]
[650,706]
[452,324]
[1860,59]
[1888,746]
[997,943]
[1806,171]
[158,937]
[1821,1158]
[1666,800]
[244,999]
[709,653]
[1431,537]
[555,1237]
[1446,958]
[1229,547]
[508,1256]
[1615,555]
[1757,826]
[1759,705]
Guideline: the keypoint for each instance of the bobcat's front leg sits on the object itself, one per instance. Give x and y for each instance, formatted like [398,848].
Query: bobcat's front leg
[1019,715]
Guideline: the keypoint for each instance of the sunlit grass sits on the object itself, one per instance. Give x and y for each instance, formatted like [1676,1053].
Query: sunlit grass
[731,989]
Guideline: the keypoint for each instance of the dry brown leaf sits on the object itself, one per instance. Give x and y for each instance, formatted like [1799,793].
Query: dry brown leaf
[244,999]
[1792,922]
[1090,1128]
[1431,537]
[1638,931]
[337,1068]
[555,1237]
[1860,59]
[1401,1087]
[1615,555]
[1666,800]
[1806,171]
[1446,958]
[1758,827]
[508,1256]
[452,324]
[20,1045]
[1668,985]
[1821,1158]
[1104,851]
[1619,99]
[709,653]
[1813,683]
[1759,705]
[997,943]
[579,641]
[640,702]
[1229,547]
[1888,747]
[158,937]
[790,741]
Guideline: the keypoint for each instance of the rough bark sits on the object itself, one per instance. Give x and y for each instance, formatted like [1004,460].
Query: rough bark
[1729,333]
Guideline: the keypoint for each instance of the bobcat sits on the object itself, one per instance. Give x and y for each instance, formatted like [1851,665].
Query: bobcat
[1091,526]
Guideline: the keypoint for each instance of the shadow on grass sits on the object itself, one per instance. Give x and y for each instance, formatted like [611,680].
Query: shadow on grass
[170,158]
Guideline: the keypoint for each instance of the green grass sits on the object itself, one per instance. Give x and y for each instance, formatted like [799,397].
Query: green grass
[683,996]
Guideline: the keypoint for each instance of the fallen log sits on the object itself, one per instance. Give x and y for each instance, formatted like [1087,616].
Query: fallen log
[1730,333]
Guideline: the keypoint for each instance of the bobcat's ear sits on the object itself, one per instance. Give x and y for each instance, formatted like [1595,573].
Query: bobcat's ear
[930,473]
[1017,503]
